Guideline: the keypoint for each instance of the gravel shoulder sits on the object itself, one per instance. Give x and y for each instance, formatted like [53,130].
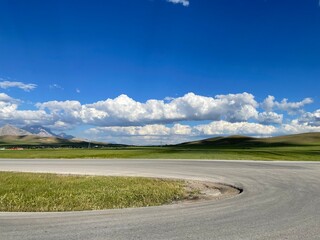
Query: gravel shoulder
[205,190]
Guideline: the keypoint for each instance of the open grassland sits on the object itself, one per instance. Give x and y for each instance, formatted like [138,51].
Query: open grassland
[293,147]
[306,153]
[50,192]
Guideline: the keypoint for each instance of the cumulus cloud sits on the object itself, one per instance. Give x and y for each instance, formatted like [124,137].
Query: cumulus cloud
[227,128]
[297,127]
[179,129]
[143,135]
[270,118]
[310,119]
[124,111]
[268,104]
[290,107]
[213,128]
[68,112]
[293,107]
[147,130]
[179,133]
[9,113]
[183,2]
[124,118]
[162,134]
[26,87]
[7,99]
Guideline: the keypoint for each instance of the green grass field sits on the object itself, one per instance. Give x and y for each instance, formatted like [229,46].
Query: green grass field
[307,153]
[33,192]
[301,147]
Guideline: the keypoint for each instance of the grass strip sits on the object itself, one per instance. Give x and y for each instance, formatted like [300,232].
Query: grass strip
[34,192]
[297,153]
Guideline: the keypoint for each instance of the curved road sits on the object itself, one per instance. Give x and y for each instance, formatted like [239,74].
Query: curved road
[281,200]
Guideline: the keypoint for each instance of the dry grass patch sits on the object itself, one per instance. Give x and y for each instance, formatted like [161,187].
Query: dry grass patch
[31,192]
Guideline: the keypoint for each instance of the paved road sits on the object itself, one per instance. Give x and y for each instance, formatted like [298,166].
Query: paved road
[280,201]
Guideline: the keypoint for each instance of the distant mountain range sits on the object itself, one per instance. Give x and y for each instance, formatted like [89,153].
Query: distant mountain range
[35,141]
[37,130]
[37,136]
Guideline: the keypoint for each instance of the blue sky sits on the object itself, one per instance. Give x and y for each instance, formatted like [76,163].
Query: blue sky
[210,66]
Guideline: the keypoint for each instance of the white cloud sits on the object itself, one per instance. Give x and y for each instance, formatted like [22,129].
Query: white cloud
[162,134]
[183,2]
[270,118]
[168,99]
[68,112]
[9,113]
[293,107]
[237,107]
[7,99]
[268,104]
[147,130]
[124,119]
[297,127]
[159,133]
[141,135]
[179,129]
[126,111]
[227,128]
[290,107]
[310,119]
[26,87]
[60,125]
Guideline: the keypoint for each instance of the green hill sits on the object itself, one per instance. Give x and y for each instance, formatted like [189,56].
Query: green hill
[304,139]
[34,141]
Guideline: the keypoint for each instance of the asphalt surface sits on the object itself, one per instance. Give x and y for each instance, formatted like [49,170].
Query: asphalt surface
[281,200]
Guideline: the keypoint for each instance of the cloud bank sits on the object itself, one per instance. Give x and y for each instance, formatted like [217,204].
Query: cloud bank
[171,120]
[124,111]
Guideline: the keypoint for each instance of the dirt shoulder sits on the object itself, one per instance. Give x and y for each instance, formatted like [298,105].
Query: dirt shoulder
[204,190]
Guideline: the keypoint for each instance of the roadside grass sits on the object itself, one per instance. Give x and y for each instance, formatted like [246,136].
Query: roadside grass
[34,192]
[298,153]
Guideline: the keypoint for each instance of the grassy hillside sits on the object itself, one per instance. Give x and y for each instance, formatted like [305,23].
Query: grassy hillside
[32,141]
[294,147]
[304,139]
